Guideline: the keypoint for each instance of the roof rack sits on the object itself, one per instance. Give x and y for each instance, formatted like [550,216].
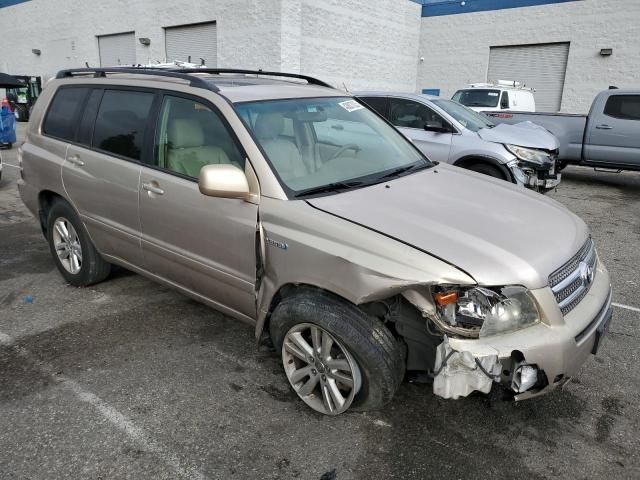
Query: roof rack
[217,71]
[102,72]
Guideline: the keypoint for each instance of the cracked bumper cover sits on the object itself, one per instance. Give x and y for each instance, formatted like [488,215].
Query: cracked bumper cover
[557,345]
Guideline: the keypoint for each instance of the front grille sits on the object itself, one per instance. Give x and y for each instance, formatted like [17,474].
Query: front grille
[571,282]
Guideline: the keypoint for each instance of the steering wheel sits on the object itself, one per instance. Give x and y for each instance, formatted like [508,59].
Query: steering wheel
[344,148]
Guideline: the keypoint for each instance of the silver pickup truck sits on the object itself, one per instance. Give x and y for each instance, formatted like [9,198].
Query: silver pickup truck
[608,137]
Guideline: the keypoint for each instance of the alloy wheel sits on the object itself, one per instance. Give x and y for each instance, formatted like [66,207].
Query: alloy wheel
[320,369]
[67,245]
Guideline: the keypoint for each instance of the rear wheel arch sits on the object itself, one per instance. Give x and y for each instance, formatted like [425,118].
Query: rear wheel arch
[46,199]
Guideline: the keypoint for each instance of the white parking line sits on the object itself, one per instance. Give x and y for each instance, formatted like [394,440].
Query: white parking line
[5,164]
[117,419]
[626,307]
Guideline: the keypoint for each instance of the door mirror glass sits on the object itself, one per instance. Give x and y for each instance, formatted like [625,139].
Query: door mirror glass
[224,181]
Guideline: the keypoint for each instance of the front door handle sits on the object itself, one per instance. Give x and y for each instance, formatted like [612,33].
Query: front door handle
[151,188]
[75,159]
[604,127]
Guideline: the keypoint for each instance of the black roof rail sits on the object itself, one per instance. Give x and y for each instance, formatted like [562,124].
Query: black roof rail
[159,72]
[217,71]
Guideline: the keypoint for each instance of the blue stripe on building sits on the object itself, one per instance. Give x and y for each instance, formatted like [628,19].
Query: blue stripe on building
[435,8]
[8,3]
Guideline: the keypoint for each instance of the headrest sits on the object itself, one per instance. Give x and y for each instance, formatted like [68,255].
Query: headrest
[185,133]
[269,125]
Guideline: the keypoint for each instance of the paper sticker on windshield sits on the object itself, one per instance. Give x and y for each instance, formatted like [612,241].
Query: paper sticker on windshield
[351,105]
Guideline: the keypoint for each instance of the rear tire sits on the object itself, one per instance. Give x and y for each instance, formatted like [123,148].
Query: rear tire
[375,352]
[487,169]
[73,252]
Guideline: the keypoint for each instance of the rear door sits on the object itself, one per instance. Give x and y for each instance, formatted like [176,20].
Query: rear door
[203,244]
[410,117]
[614,131]
[101,172]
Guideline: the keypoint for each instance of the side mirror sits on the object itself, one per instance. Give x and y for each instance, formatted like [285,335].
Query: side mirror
[436,127]
[224,181]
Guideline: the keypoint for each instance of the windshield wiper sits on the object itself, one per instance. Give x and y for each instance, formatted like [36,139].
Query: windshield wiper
[330,187]
[407,168]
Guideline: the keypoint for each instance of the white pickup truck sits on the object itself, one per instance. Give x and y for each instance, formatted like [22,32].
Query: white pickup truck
[608,137]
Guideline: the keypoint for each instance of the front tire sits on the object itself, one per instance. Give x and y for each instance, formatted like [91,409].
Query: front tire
[335,356]
[72,250]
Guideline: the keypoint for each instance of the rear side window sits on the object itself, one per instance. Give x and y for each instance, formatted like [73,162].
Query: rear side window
[626,107]
[61,119]
[121,122]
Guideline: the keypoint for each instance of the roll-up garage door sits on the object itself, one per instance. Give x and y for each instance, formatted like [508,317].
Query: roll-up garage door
[541,66]
[195,41]
[118,49]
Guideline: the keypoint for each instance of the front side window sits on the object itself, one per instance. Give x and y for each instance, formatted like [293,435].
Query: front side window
[379,104]
[411,114]
[337,142]
[63,112]
[466,117]
[477,97]
[191,136]
[121,122]
[625,107]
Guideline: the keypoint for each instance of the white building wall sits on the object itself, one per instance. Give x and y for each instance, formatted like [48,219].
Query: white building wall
[66,31]
[363,43]
[456,47]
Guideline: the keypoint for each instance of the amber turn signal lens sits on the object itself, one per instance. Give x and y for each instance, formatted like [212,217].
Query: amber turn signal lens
[446,298]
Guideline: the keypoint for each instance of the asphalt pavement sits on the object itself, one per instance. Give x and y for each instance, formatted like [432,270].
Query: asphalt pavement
[128,379]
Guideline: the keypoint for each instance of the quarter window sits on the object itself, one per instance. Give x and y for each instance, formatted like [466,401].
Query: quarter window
[121,122]
[191,135]
[626,107]
[63,112]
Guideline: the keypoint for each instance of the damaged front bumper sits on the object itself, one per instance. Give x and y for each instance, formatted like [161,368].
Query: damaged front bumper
[538,179]
[531,361]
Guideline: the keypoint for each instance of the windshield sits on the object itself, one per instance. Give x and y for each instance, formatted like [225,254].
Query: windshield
[477,97]
[332,143]
[469,119]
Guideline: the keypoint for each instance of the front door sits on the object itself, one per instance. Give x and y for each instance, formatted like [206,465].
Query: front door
[410,117]
[613,133]
[203,244]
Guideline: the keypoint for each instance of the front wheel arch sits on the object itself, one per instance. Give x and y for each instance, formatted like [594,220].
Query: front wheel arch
[471,160]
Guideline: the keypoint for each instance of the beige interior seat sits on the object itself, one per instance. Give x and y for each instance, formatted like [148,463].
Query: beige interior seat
[283,153]
[187,152]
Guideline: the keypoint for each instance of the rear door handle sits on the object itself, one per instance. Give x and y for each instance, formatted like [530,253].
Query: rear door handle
[604,127]
[150,187]
[75,159]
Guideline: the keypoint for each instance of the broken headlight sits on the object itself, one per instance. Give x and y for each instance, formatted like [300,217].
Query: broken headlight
[530,155]
[487,311]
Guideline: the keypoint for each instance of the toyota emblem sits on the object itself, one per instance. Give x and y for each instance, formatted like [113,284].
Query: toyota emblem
[586,273]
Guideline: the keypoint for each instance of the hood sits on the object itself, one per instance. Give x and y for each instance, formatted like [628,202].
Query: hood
[498,233]
[524,134]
